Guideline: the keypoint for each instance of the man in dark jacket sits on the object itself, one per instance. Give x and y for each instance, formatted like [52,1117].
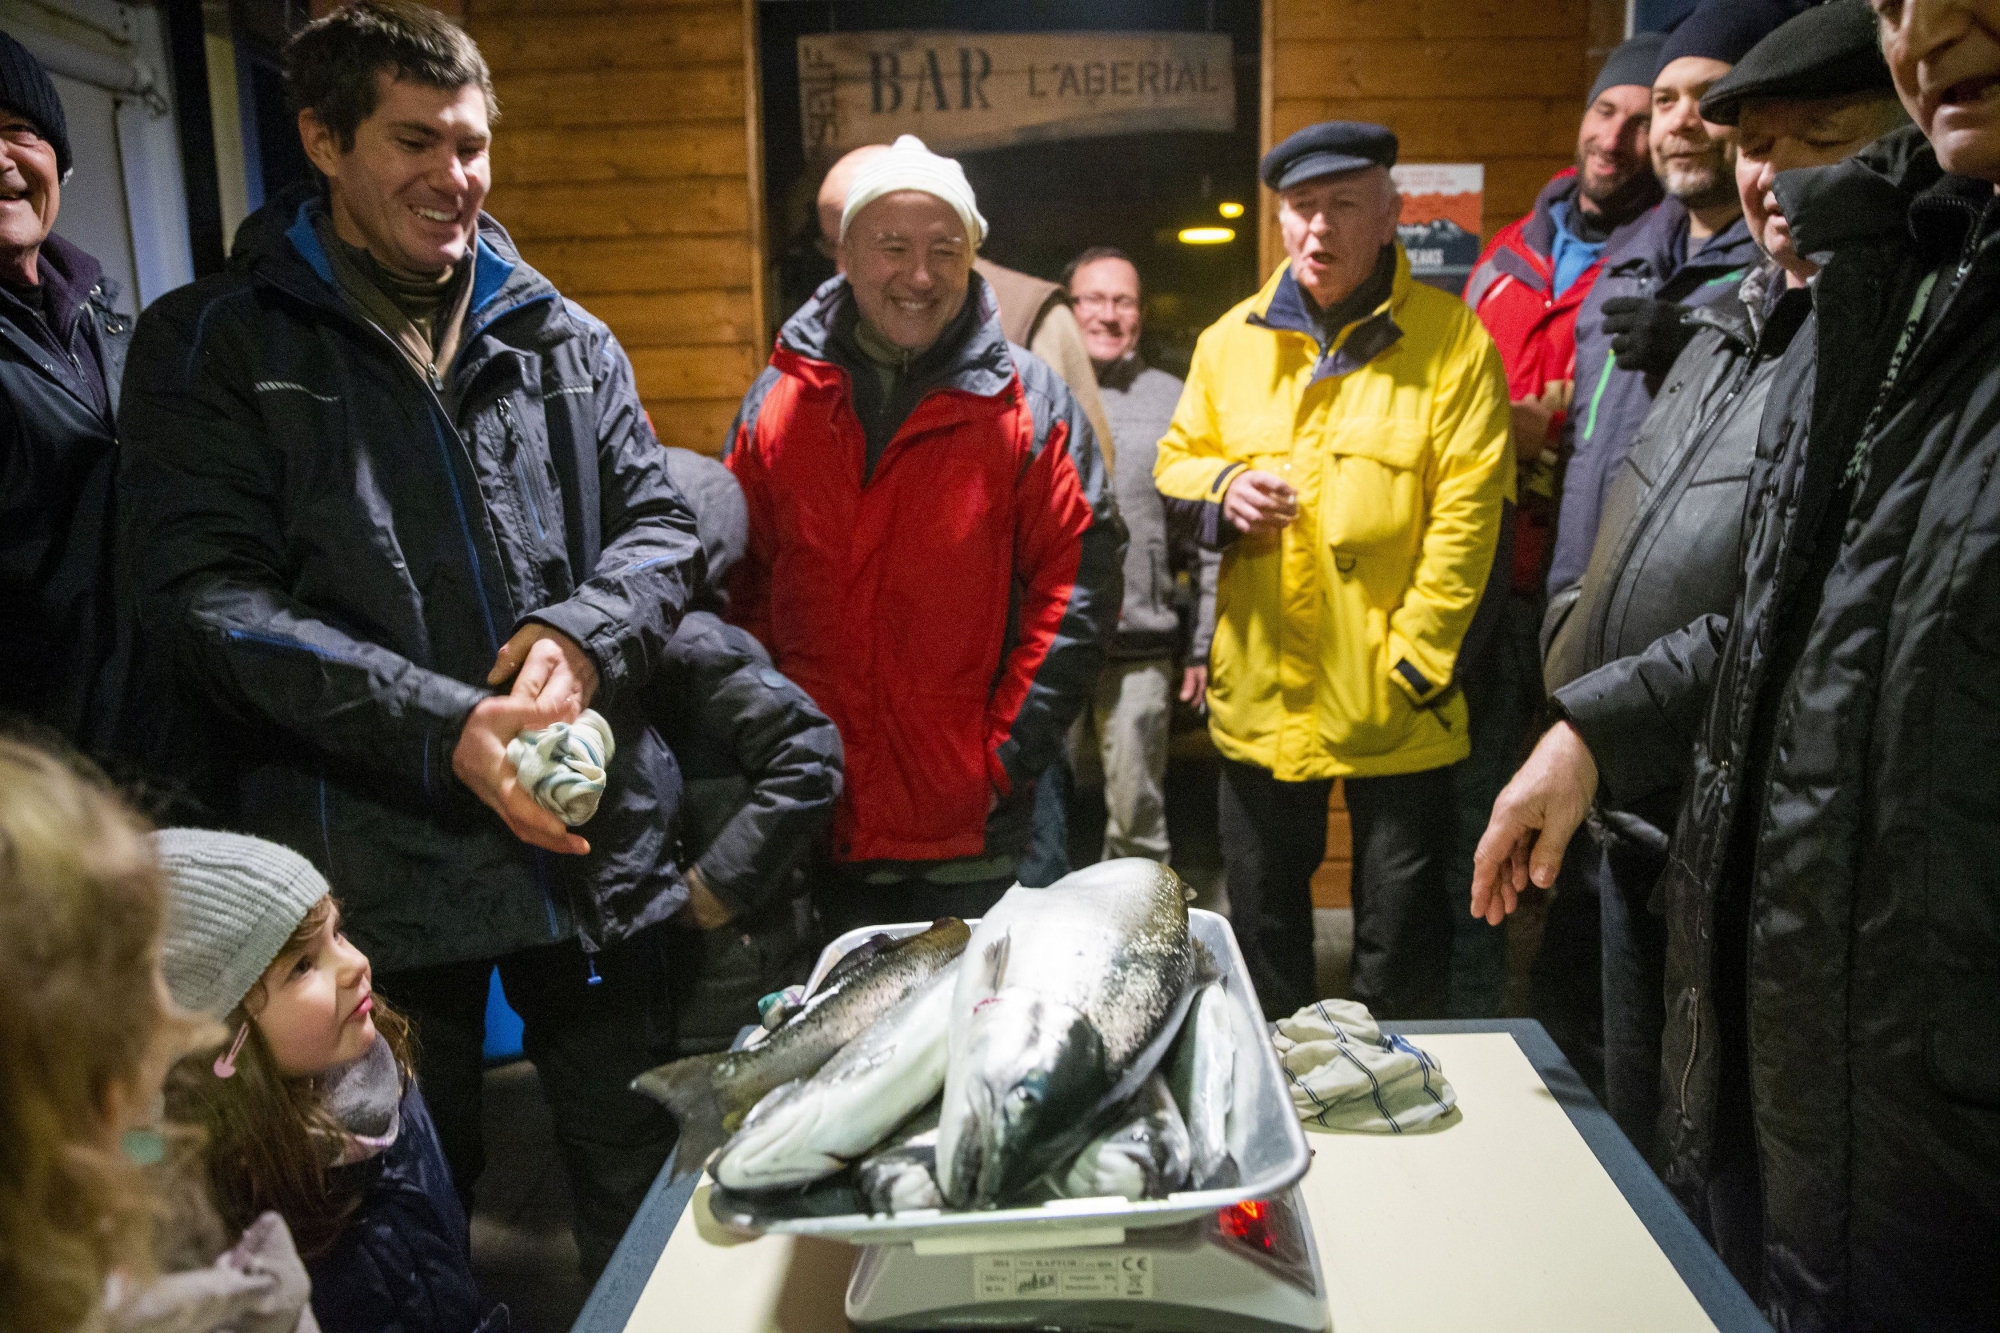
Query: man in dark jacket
[1669,548]
[934,552]
[375,471]
[1690,251]
[1833,958]
[760,767]
[1526,290]
[62,350]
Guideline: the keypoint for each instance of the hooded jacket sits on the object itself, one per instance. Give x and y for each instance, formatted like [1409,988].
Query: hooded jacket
[329,551]
[1669,549]
[1872,948]
[58,403]
[1336,640]
[947,610]
[1657,259]
[1510,289]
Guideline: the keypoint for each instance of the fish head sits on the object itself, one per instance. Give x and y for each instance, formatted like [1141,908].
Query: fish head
[1035,1070]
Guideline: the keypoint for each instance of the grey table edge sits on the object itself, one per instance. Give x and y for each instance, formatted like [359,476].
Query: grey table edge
[1721,1298]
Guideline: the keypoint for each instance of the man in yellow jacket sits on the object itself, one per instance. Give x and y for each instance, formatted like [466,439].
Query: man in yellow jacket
[1344,441]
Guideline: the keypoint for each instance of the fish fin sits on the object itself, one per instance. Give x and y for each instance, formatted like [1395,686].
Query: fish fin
[687,1089]
[993,963]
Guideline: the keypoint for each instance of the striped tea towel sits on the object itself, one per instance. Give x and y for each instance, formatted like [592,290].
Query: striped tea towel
[1344,1073]
[562,766]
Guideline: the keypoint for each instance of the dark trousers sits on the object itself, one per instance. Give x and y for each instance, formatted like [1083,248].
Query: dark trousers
[1566,983]
[1503,695]
[846,901]
[1635,952]
[1274,838]
[588,1041]
[1047,858]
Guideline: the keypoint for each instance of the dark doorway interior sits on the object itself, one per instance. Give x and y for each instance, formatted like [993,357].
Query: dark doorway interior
[1045,202]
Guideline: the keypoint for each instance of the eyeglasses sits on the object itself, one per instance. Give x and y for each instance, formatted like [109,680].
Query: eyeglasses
[1124,305]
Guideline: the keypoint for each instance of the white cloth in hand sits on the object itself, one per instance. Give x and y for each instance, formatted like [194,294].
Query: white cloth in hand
[562,766]
[1344,1072]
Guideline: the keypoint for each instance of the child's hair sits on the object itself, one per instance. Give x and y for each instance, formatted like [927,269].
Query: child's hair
[270,1138]
[83,1014]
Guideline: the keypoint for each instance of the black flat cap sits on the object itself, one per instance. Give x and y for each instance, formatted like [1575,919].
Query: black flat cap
[1330,148]
[1830,51]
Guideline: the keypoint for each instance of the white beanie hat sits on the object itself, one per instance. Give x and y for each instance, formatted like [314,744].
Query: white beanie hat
[233,901]
[908,165]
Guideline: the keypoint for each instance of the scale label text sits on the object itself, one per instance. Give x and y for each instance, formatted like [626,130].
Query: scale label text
[1118,1275]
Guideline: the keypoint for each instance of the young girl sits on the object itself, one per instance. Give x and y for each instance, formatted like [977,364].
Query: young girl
[86,1034]
[311,1109]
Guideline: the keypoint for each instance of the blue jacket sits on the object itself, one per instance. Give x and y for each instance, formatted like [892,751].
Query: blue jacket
[1649,259]
[328,552]
[404,1263]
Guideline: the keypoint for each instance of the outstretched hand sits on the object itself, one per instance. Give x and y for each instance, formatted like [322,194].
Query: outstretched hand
[1533,820]
[480,761]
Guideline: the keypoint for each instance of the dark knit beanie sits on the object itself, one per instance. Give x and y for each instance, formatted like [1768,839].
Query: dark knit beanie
[1634,60]
[1725,30]
[25,90]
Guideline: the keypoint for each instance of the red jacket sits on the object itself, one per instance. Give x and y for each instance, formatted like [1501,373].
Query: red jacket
[950,615]
[1536,334]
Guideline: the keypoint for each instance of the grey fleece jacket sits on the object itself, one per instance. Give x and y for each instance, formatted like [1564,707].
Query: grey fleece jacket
[1139,402]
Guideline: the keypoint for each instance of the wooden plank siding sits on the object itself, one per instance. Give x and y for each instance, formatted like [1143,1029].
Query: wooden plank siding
[627,165]
[1499,82]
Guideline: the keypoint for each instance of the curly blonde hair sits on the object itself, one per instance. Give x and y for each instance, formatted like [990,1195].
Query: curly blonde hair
[85,1021]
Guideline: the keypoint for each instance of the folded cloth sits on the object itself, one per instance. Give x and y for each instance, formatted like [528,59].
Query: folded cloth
[562,766]
[1344,1072]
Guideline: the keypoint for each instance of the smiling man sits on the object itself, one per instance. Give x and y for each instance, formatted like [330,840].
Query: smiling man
[1832,977]
[375,473]
[934,551]
[62,347]
[1344,441]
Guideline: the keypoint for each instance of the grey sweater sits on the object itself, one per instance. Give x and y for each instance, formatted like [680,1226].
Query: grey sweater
[1139,401]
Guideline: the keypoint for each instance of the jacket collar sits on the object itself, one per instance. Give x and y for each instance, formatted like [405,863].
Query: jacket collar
[1281,307]
[1123,373]
[1538,232]
[1658,245]
[980,365]
[1867,197]
[277,244]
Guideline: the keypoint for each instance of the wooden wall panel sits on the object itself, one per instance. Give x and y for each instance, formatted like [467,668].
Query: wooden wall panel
[626,165]
[1500,82]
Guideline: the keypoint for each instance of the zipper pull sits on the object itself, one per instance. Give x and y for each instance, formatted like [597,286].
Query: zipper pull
[590,961]
[437,380]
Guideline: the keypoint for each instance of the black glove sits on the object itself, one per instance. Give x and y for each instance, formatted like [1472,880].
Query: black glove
[1646,335]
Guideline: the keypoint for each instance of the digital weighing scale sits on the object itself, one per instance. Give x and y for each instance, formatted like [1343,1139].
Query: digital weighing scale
[1220,1260]
[1248,1268]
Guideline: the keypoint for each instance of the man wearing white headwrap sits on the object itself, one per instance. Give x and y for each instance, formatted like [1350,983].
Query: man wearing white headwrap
[934,553]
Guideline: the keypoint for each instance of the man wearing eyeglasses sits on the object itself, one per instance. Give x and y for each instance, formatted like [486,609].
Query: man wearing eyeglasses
[1124,731]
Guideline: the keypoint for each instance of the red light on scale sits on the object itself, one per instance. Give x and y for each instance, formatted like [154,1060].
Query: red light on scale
[1249,1223]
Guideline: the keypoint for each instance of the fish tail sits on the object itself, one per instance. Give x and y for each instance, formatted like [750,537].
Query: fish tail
[687,1089]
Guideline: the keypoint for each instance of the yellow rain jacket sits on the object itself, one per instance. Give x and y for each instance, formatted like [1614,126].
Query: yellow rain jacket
[1336,639]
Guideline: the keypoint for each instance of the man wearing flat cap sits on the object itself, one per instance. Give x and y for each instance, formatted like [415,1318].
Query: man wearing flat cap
[1344,440]
[1669,548]
[62,347]
[1832,979]
[934,556]
[1526,290]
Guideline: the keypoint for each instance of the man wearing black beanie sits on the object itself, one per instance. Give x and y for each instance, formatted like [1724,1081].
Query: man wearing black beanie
[62,345]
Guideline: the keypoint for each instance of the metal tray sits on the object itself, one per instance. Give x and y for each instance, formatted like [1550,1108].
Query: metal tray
[1264,1137]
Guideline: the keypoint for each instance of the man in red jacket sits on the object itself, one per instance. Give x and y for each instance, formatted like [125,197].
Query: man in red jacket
[1526,290]
[934,552]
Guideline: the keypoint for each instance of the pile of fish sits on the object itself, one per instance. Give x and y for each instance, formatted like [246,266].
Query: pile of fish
[1073,1045]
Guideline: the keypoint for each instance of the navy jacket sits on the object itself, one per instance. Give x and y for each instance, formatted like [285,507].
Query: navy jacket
[1654,258]
[404,1262]
[58,452]
[329,551]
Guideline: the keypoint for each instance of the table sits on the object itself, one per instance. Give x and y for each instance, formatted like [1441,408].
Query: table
[1527,1209]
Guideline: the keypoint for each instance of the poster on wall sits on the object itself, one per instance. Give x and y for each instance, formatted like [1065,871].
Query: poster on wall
[962,91]
[1440,225]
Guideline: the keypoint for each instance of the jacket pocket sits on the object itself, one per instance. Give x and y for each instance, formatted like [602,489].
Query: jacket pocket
[1371,493]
